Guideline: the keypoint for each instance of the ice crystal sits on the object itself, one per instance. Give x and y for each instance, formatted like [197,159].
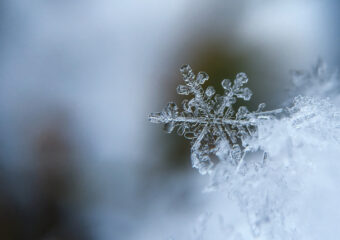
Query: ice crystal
[295,141]
[269,189]
[209,120]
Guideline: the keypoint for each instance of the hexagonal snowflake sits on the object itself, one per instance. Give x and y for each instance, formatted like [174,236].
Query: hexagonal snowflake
[209,120]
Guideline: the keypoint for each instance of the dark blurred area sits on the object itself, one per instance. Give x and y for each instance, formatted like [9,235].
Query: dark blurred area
[35,198]
[78,159]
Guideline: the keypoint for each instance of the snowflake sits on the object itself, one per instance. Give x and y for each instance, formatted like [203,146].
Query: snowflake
[209,120]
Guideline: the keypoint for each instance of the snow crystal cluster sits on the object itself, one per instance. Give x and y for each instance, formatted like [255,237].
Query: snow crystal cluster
[287,144]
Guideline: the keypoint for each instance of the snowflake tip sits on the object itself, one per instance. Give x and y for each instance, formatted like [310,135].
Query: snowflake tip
[210,91]
[187,73]
[155,117]
[202,77]
[247,93]
[241,78]
[226,84]
[183,90]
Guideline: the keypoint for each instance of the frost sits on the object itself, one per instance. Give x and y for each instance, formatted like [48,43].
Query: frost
[209,120]
[287,145]
[268,188]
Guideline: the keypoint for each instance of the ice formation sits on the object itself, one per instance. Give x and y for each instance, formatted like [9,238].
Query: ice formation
[269,189]
[209,120]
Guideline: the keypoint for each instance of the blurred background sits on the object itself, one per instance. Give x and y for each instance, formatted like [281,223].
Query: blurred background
[78,157]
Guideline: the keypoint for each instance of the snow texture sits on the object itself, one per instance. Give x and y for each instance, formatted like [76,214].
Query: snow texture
[291,146]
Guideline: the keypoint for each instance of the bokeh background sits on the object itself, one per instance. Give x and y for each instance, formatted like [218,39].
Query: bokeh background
[78,157]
